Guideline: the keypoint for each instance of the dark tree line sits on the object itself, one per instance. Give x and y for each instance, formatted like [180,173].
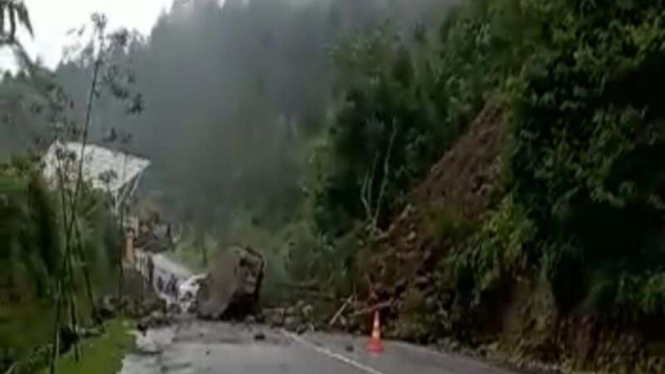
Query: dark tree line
[233,96]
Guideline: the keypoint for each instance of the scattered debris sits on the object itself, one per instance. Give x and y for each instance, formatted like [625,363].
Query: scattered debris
[174,308]
[274,317]
[154,320]
[290,323]
[340,311]
[303,328]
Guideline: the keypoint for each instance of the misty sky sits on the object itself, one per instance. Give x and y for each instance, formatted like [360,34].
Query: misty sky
[52,19]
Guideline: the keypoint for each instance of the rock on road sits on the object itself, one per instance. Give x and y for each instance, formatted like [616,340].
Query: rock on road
[196,347]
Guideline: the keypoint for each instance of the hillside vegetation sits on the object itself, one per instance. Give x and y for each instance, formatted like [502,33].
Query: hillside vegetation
[31,256]
[541,228]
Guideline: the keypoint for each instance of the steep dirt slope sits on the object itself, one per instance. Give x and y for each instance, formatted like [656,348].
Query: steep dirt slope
[466,176]
[521,324]
[458,188]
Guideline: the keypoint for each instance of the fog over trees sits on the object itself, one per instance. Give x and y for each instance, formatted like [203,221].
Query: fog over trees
[233,96]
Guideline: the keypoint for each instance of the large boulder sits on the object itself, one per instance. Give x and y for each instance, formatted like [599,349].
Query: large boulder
[232,286]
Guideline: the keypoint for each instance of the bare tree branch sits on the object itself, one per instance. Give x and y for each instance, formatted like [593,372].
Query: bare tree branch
[386,174]
[372,207]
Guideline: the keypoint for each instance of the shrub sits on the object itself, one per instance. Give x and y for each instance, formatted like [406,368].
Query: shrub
[498,251]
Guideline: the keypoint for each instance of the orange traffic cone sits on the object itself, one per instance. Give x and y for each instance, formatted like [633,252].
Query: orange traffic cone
[375,345]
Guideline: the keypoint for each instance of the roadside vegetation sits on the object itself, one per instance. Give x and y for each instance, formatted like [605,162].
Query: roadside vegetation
[101,354]
[60,241]
[32,251]
[492,175]
[575,211]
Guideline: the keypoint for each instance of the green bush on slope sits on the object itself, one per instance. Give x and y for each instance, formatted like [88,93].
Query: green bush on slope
[31,253]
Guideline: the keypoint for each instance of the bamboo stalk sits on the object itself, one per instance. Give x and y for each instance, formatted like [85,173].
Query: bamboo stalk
[86,275]
[56,333]
[73,314]
[70,219]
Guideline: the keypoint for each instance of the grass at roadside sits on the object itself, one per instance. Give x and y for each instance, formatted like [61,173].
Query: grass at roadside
[23,327]
[100,355]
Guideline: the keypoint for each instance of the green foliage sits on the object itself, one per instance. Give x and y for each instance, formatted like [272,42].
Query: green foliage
[642,294]
[23,328]
[585,175]
[419,93]
[29,252]
[588,140]
[426,87]
[31,233]
[498,251]
[103,354]
[101,239]
[449,226]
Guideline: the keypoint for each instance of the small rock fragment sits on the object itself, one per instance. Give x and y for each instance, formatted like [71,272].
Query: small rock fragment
[301,329]
[290,323]
[174,308]
[411,237]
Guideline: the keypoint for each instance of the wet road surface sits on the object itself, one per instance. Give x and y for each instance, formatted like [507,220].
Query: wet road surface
[195,347]
[191,346]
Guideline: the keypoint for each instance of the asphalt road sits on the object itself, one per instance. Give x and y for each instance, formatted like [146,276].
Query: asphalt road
[195,347]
